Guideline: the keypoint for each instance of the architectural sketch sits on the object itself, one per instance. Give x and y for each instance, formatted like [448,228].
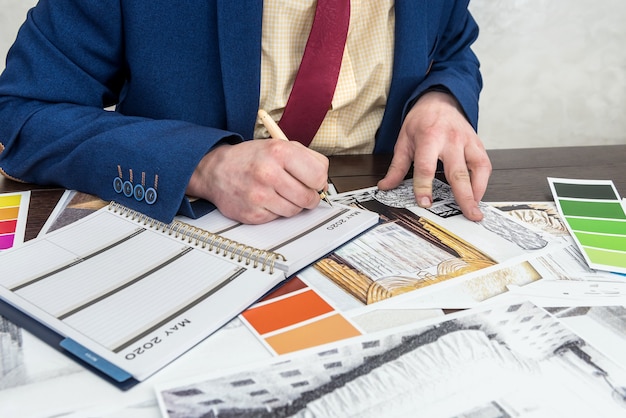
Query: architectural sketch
[11,356]
[24,359]
[410,251]
[516,359]
[444,206]
[542,215]
[511,231]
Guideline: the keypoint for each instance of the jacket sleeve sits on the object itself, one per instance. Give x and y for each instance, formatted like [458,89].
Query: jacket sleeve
[65,68]
[453,66]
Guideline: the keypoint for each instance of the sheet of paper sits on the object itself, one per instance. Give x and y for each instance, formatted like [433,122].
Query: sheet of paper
[595,216]
[501,360]
[415,251]
[81,393]
[13,217]
[71,207]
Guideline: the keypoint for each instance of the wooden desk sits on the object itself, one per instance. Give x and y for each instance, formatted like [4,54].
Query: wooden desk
[518,175]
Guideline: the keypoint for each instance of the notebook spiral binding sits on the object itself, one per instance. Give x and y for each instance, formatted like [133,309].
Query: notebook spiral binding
[204,239]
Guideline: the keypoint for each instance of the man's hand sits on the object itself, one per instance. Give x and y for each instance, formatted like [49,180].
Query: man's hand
[258,181]
[435,128]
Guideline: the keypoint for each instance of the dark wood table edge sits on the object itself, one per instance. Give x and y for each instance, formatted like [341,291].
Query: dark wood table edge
[519,174]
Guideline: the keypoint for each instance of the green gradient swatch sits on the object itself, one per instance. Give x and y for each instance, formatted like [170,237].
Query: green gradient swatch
[597,225]
[606,258]
[596,209]
[585,191]
[609,242]
[596,218]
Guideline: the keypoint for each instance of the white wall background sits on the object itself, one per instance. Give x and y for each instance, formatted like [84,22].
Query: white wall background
[554,70]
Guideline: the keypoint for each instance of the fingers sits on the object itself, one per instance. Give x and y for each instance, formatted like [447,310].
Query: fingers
[460,181]
[467,171]
[400,163]
[258,181]
[294,195]
[287,177]
[435,129]
[423,175]
[399,167]
[307,166]
[480,171]
[424,159]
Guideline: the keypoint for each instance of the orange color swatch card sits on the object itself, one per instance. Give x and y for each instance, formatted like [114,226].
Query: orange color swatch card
[295,317]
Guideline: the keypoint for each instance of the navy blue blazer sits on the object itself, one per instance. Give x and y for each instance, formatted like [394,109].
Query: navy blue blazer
[183,76]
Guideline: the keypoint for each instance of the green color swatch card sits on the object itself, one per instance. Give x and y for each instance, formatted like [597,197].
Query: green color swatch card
[595,216]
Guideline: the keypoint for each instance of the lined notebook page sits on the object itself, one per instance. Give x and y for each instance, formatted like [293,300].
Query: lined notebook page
[284,231]
[301,239]
[272,235]
[114,286]
[125,286]
[135,311]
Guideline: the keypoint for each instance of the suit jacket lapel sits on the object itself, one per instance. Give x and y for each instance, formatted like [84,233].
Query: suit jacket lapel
[410,34]
[408,65]
[239,29]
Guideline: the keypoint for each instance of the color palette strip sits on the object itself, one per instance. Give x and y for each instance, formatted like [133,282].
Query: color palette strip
[295,317]
[596,218]
[13,215]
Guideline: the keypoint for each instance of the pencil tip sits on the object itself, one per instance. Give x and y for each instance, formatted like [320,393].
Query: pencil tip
[324,197]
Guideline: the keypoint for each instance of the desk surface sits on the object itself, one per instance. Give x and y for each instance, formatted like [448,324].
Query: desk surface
[518,175]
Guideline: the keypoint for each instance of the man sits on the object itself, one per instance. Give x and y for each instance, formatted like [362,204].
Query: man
[187,79]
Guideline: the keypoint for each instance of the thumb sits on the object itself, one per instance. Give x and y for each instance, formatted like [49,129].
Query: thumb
[399,167]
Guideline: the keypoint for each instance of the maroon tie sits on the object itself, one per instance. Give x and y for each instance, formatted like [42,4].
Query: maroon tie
[315,82]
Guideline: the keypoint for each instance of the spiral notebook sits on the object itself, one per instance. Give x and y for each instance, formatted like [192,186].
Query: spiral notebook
[126,294]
